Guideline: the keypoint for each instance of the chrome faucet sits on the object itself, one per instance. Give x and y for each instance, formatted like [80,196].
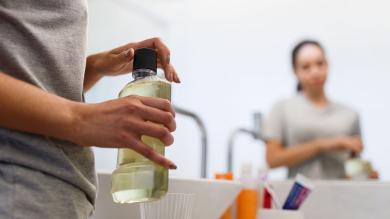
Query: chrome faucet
[202,128]
[255,132]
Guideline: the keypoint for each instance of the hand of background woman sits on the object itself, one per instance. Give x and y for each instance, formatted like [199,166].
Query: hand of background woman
[342,143]
[373,175]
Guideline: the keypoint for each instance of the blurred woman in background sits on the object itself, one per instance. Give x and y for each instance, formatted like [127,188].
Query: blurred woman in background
[309,133]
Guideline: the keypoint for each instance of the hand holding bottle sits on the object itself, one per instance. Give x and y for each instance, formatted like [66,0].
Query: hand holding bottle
[120,123]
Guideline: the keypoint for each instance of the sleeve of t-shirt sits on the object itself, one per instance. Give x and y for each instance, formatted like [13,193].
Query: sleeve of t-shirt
[273,124]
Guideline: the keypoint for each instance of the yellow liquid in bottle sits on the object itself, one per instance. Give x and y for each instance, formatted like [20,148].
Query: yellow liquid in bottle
[137,179]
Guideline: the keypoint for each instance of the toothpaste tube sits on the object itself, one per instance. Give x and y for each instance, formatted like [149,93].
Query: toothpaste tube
[269,189]
[298,193]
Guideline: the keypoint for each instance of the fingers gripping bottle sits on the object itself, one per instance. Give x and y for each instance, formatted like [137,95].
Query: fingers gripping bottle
[137,179]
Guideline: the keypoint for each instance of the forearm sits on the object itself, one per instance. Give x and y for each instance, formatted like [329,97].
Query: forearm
[293,155]
[26,108]
[92,74]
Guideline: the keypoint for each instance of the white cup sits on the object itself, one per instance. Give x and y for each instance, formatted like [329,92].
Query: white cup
[171,206]
[279,214]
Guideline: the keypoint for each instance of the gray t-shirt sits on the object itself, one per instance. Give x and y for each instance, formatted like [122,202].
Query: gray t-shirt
[296,120]
[43,42]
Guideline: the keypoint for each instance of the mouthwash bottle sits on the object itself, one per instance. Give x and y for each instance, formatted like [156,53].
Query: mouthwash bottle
[137,179]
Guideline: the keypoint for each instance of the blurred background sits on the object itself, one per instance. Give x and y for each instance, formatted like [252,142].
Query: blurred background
[233,57]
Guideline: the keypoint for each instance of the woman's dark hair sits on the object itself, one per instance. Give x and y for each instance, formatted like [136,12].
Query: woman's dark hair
[296,50]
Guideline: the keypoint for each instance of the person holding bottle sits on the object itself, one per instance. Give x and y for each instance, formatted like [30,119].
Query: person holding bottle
[46,129]
[310,133]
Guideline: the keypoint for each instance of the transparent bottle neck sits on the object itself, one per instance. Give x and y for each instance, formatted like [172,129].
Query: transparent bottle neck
[142,73]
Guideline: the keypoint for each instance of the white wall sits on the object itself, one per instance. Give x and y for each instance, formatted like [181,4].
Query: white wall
[233,58]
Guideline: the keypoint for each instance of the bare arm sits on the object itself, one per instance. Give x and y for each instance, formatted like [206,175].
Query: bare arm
[27,108]
[116,123]
[91,75]
[278,155]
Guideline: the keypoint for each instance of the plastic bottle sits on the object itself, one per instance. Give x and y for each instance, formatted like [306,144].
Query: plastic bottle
[226,176]
[357,168]
[137,179]
[247,199]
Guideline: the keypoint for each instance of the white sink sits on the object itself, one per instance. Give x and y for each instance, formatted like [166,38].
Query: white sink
[212,198]
[343,199]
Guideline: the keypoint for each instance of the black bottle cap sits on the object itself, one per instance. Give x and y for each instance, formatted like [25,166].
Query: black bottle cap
[145,58]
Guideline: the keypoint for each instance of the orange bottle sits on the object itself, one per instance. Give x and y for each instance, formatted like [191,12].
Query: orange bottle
[247,200]
[225,176]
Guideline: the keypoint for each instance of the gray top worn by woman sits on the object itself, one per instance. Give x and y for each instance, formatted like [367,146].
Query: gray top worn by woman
[296,120]
[43,42]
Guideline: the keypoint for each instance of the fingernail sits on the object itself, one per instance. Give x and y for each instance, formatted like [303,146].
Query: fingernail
[172,166]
